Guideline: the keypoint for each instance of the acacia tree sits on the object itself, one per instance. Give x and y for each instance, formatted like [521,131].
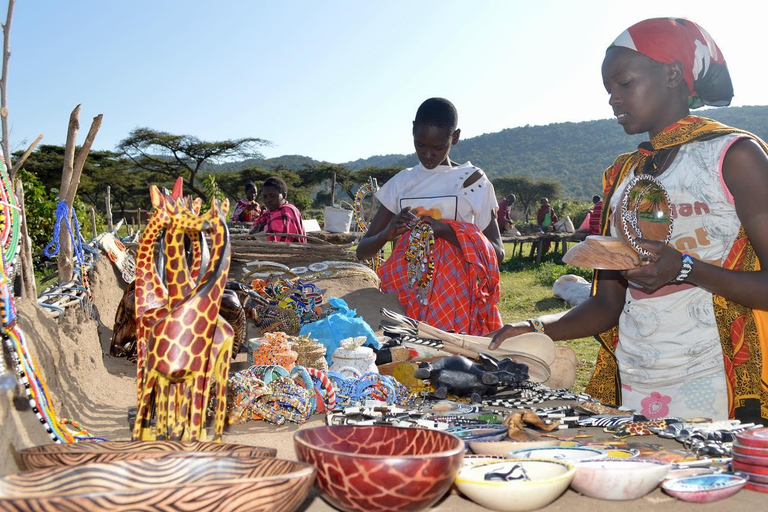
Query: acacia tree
[527,192]
[173,155]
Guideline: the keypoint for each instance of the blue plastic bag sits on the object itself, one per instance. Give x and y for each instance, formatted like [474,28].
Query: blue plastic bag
[339,325]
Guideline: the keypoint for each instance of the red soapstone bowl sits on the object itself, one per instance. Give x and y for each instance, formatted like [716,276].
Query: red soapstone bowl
[370,468]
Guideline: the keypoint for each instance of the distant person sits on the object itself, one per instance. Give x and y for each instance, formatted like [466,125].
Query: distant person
[458,202]
[546,218]
[280,216]
[248,209]
[594,215]
[685,333]
[505,212]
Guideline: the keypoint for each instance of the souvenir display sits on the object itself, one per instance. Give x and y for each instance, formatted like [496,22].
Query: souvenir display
[385,461]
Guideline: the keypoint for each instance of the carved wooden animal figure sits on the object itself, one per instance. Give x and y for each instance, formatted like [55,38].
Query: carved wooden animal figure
[151,295]
[460,376]
[124,330]
[189,349]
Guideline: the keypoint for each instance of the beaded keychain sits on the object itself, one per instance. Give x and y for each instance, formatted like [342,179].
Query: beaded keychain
[421,262]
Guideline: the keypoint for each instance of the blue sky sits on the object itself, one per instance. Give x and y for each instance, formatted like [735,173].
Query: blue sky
[333,80]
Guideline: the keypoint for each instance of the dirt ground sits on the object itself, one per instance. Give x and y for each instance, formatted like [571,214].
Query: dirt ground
[88,385]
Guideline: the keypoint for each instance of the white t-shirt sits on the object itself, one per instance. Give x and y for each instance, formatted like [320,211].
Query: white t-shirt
[440,193]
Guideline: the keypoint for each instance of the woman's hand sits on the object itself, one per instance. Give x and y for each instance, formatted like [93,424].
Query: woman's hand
[661,267]
[508,331]
[400,223]
[439,228]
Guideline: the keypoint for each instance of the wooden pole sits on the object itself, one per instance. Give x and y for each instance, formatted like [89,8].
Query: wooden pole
[93,223]
[29,287]
[65,263]
[4,85]
[333,190]
[70,179]
[138,217]
[108,200]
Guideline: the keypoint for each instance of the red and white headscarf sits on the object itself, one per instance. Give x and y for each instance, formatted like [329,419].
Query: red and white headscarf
[667,40]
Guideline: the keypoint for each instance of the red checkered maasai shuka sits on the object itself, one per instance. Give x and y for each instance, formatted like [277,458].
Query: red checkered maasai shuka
[465,288]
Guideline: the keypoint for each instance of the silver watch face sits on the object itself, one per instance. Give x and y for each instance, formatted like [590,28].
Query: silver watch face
[645,212]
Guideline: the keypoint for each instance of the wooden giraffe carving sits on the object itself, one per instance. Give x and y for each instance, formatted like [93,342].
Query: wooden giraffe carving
[189,348]
[151,296]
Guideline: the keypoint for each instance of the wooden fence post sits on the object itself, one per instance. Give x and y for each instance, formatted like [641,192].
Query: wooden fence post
[108,200]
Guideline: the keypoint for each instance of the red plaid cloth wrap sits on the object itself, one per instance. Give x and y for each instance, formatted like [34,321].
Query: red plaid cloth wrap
[465,290]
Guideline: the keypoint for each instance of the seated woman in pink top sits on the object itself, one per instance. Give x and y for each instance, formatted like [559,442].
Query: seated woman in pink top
[280,216]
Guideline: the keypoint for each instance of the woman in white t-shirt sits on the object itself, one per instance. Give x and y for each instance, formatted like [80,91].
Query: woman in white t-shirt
[458,203]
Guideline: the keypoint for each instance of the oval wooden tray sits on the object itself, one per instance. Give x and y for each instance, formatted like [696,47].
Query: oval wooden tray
[51,455]
[168,483]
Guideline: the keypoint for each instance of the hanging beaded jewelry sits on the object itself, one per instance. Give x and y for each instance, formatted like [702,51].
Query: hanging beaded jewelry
[358,214]
[421,263]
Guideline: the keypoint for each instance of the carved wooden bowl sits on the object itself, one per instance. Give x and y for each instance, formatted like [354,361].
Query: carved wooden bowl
[372,468]
[51,455]
[170,483]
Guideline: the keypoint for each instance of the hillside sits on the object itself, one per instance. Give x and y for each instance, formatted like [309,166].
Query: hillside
[573,154]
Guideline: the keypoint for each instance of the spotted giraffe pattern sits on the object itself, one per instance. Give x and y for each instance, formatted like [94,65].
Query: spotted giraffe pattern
[380,468]
[188,349]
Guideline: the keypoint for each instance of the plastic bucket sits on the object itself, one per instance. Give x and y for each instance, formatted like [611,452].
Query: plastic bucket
[337,220]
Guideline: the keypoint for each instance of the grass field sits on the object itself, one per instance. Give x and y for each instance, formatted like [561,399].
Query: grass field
[526,292]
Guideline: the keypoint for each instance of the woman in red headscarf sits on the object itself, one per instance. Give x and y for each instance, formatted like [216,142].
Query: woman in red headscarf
[684,333]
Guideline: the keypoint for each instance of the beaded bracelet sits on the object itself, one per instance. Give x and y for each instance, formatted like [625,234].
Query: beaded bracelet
[537,324]
[267,372]
[288,401]
[323,384]
[309,384]
[375,387]
[686,268]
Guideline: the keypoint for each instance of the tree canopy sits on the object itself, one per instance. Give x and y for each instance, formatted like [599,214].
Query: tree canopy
[173,155]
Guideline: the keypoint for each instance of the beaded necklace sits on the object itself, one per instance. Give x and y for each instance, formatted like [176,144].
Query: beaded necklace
[421,262]
[358,214]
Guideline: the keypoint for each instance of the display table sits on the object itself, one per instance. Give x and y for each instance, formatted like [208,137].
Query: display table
[281,438]
[537,241]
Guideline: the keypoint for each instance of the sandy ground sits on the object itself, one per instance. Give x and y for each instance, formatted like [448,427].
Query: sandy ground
[86,384]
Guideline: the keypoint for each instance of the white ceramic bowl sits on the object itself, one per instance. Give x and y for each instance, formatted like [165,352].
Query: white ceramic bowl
[618,479]
[568,454]
[704,488]
[547,480]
